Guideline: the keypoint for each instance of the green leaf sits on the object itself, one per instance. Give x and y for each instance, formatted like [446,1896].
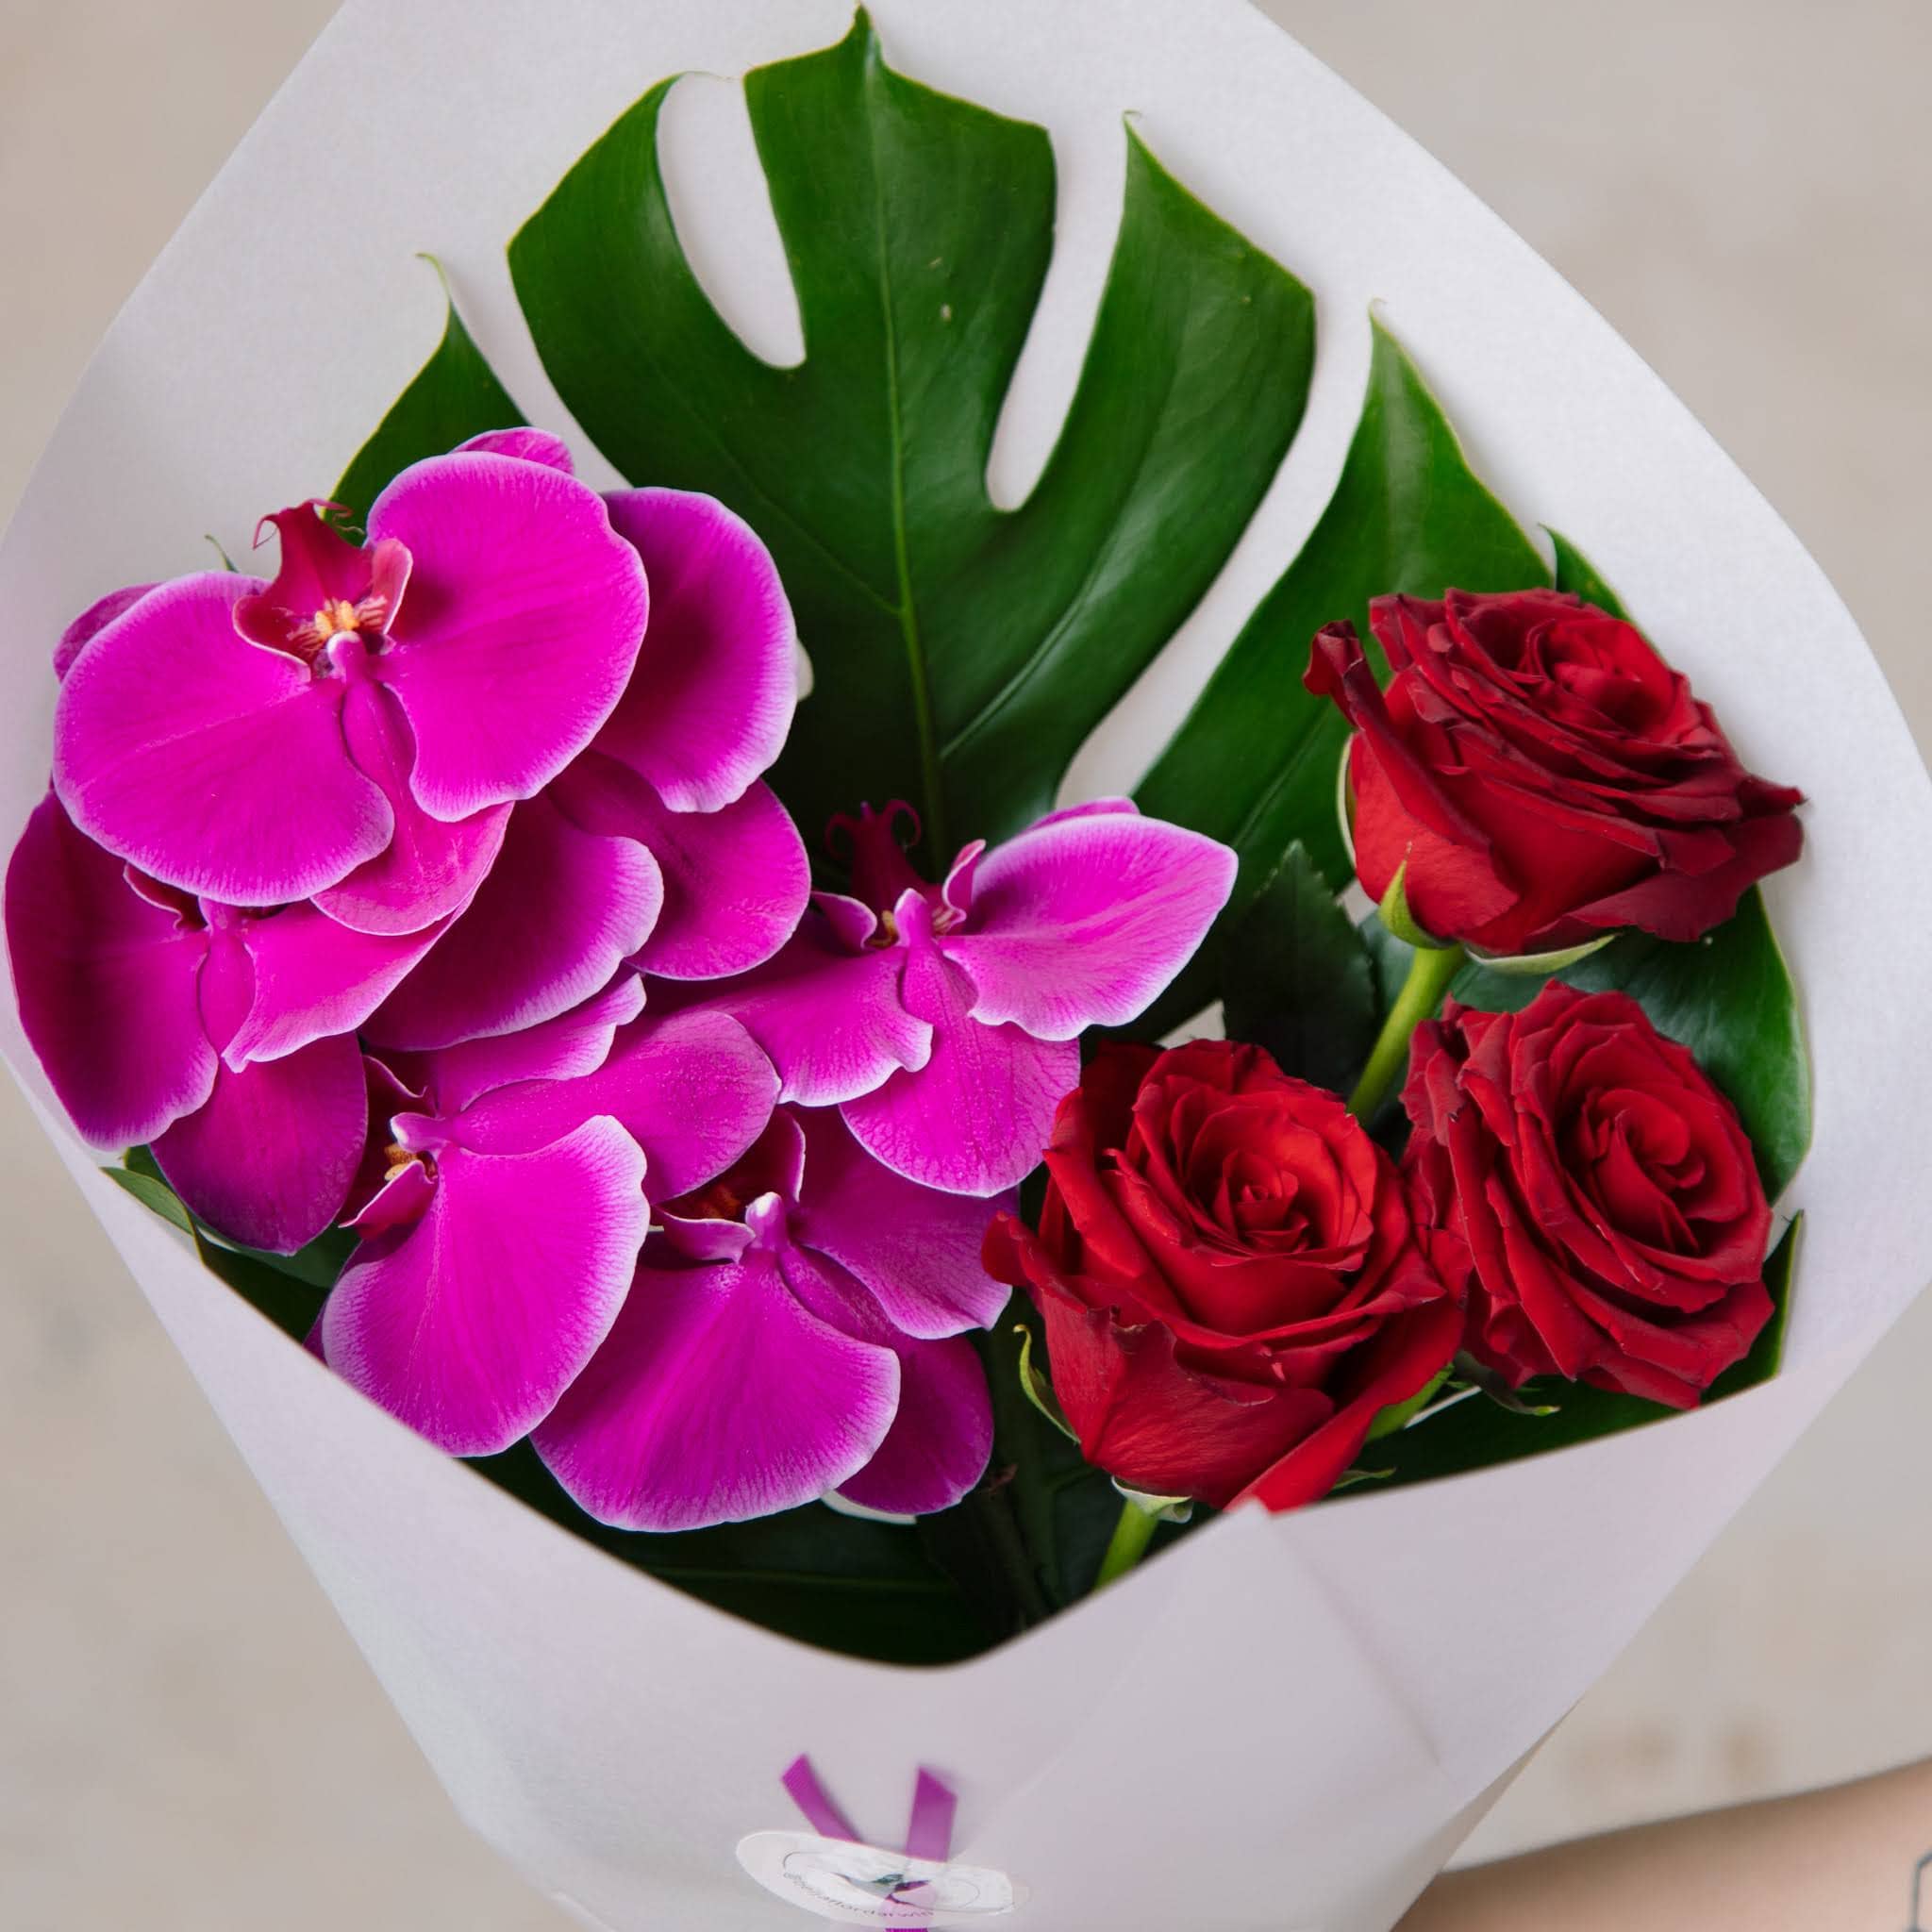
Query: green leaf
[1475,1433]
[1393,912]
[288,1289]
[961,653]
[1398,1415]
[1578,574]
[1729,997]
[1036,1388]
[1254,762]
[153,1193]
[1296,979]
[1768,1352]
[454,396]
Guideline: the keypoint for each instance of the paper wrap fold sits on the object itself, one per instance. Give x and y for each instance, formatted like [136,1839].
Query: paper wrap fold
[1287,1726]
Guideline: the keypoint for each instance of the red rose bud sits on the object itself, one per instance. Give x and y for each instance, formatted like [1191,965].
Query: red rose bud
[1230,1282]
[1615,1223]
[1545,774]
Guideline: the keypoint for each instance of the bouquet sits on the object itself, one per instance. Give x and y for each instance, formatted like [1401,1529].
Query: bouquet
[695,962]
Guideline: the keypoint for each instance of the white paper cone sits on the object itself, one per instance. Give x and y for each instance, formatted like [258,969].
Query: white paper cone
[1286,1725]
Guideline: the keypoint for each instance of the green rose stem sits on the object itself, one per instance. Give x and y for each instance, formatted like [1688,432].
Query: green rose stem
[1430,973]
[1131,1536]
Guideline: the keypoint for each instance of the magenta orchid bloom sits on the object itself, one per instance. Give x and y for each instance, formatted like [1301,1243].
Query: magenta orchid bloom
[839,1295]
[944,1021]
[658,844]
[502,1222]
[355,731]
[223,1038]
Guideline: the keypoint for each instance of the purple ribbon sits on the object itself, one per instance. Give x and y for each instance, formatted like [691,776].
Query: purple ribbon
[929,1834]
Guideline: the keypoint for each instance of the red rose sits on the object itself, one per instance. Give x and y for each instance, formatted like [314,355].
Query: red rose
[1614,1217]
[1544,774]
[1229,1275]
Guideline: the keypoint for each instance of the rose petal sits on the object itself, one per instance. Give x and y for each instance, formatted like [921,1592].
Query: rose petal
[716,1399]
[915,1249]
[520,629]
[268,1161]
[560,912]
[469,1324]
[735,880]
[213,763]
[1083,921]
[429,868]
[976,1118]
[716,681]
[1399,1362]
[105,981]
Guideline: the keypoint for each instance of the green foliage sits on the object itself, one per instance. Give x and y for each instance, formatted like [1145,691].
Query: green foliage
[1296,979]
[454,396]
[961,653]
[288,1289]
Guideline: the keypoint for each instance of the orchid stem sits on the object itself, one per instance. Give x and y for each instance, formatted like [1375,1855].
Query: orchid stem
[1131,1536]
[1430,973]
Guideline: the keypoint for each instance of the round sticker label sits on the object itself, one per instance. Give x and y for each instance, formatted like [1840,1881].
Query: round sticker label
[862,1884]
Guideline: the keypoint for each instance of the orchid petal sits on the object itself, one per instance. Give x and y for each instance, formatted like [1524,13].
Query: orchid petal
[717,1398]
[520,630]
[269,1159]
[942,1435]
[431,868]
[1094,808]
[717,678]
[1083,921]
[573,1044]
[319,568]
[400,1200]
[915,1249]
[469,1325]
[831,1019]
[94,619]
[975,1118]
[560,912]
[213,763]
[526,444]
[105,981]
[692,1091]
[735,880]
[314,978]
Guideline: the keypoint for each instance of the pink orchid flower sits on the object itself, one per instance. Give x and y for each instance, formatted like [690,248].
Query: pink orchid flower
[944,1021]
[839,1294]
[658,843]
[356,730]
[506,1202]
[222,1037]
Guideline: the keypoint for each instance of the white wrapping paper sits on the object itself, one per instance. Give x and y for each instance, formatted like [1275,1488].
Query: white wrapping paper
[1289,1724]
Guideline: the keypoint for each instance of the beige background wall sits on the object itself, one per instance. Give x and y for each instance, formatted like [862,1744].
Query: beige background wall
[1745,187]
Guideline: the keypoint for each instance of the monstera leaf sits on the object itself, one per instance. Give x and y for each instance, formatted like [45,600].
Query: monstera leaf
[961,653]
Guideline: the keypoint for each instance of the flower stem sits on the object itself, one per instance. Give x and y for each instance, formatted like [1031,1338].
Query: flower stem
[1131,1536]
[1430,973]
